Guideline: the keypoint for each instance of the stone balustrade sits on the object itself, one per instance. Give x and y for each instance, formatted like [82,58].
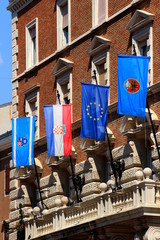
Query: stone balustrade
[144,193]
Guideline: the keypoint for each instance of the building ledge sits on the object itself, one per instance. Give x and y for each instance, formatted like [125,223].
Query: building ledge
[15,5]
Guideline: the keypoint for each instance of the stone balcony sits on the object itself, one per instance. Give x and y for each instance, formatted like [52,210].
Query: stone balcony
[138,202]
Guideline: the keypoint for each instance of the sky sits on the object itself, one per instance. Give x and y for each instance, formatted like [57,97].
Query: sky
[5,53]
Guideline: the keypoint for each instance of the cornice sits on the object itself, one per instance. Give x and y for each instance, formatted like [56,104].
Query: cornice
[17,5]
[6,141]
[32,89]
[75,41]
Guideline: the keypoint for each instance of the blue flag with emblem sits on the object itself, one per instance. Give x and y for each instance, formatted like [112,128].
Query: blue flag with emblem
[132,85]
[23,130]
[94,111]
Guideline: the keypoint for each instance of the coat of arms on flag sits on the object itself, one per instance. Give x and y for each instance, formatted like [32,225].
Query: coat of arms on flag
[21,141]
[132,85]
[23,130]
[58,129]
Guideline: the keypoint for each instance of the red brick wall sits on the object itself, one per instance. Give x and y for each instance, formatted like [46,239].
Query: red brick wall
[4,199]
[114,30]
[81,17]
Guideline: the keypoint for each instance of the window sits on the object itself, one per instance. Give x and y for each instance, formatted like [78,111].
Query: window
[32,106]
[63,20]
[64,10]
[99,64]
[99,11]
[6,180]
[142,40]
[63,87]
[31,44]
[63,73]
[142,44]
[99,51]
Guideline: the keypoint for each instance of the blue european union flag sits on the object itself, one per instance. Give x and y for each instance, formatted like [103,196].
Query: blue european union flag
[132,85]
[94,111]
[23,141]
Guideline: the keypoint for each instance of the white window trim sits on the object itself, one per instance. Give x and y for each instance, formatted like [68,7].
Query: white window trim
[29,26]
[101,57]
[61,3]
[95,13]
[29,98]
[60,81]
[146,32]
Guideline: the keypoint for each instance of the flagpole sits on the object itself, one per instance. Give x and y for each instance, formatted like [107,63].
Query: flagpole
[111,159]
[35,166]
[73,179]
[95,77]
[73,175]
[153,130]
[109,146]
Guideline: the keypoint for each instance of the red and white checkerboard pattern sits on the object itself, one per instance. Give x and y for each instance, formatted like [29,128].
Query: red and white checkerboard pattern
[58,130]
[19,143]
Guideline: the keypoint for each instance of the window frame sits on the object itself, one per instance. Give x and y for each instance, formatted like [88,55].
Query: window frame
[144,34]
[62,80]
[97,60]
[60,32]
[30,62]
[95,18]
[32,95]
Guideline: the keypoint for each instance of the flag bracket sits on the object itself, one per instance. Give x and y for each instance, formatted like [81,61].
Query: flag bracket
[153,130]
[78,182]
[94,76]
[36,172]
[20,226]
[58,97]
[117,167]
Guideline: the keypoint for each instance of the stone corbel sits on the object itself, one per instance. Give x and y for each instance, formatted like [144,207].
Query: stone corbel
[61,162]
[28,172]
[136,126]
[152,233]
[57,182]
[97,147]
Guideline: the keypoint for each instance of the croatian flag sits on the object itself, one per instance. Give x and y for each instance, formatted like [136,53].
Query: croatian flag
[58,129]
[23,141]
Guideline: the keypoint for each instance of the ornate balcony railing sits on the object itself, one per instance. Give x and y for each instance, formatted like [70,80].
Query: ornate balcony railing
[143,193]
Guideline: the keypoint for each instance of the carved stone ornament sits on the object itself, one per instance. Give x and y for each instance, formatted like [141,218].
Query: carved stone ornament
[29,171]
[152,233]
[136,125]
[139,19]
[61,162]
[119,237]
[98,45]
[97,147]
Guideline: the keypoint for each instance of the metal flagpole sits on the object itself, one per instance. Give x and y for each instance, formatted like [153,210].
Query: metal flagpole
[38,184]
[111,159]
[153,130]
[73,179]
[109,146]
[73,175]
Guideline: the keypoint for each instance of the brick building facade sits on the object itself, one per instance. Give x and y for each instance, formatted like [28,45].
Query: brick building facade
[5,157]
[56,45]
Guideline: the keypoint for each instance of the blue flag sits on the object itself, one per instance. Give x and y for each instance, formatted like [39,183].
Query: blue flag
[132,85]
[94,111]
[23,141]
